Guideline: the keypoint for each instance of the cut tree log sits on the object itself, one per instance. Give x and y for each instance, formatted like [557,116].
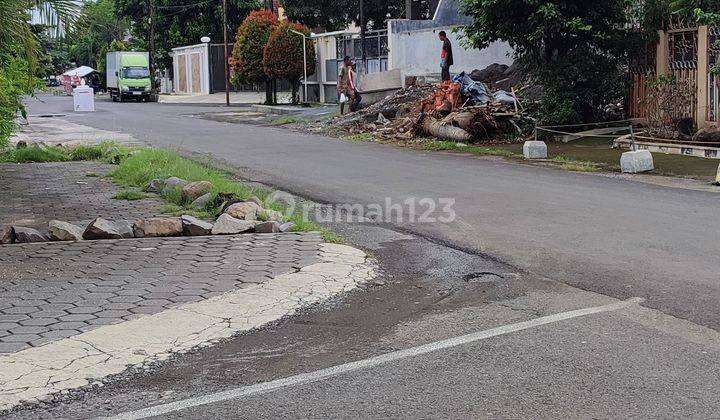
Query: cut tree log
[436,128]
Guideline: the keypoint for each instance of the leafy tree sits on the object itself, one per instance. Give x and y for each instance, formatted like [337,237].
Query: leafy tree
[55,56]
[181,22]
[96,29]
[247,56]
[283,54]
[575,49]
[335,15]
[19,52]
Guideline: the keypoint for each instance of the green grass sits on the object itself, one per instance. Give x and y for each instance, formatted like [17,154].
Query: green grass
[84,152]
[358,137]
[569,164]
[34,154]
[144,165]
[106,151]
[452,146]
[284,121]
[129,194]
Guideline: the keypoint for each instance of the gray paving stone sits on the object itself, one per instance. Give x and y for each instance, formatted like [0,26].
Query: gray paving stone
[78,317]
[79,286]
[28,330]
[20,338]
[68,325]
[12,347]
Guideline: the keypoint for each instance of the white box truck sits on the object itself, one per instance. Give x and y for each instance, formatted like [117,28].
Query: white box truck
[128,75]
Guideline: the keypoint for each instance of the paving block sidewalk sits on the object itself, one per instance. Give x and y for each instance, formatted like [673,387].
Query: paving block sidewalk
[35,193]
[54,290]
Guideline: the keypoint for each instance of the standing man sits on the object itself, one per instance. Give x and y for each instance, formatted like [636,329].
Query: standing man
[344,85]
[446,56]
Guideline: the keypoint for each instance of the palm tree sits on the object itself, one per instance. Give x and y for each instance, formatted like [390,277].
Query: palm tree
[15,19]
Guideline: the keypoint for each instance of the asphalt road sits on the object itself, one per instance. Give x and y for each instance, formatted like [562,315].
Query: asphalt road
[539,242]
[612,236]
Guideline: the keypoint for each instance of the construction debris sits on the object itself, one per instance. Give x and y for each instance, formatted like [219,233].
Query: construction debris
[463,110]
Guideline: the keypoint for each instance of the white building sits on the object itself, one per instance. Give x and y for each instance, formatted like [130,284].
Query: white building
[406,48]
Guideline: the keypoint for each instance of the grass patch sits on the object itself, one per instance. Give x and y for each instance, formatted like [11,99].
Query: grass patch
[107,151]
[452,146]
[129,194]
[284,121]
[358,137]
[137,170]
[575,165]
[579,167]
[92,175]
[34,154]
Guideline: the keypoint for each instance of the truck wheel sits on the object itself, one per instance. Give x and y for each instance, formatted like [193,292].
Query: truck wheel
[113,97]
[121,97]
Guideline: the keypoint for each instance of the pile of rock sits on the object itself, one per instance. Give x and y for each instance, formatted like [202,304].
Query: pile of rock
[235,217]
[144,228]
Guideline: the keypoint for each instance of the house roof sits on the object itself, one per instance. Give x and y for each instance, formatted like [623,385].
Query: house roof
[81,71]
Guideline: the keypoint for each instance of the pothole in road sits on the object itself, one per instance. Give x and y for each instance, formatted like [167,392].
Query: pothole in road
[482,277]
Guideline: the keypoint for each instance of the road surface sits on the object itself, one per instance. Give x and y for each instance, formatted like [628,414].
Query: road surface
[569,240]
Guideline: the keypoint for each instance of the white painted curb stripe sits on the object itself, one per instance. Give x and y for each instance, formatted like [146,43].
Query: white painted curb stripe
[319,375]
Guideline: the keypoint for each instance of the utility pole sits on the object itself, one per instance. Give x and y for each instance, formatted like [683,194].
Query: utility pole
[270,94]
[151,53]
[225,48]
[363,68]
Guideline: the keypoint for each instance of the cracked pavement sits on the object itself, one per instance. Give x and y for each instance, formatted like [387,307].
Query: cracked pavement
[54,290]
[93,353]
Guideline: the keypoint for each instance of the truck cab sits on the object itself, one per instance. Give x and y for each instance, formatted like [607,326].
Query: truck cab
[128,76]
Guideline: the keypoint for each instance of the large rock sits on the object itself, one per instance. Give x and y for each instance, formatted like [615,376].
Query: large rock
[172,184]
[201,202]
[287,227]
[246,210]
[193,190]
[27,235]
[192,226]
[155,186]
[228,225]
[64,231]
[103,229]
[267,227]
[125,228]
[7,236]
[636,161]
[535,150]
[158,226]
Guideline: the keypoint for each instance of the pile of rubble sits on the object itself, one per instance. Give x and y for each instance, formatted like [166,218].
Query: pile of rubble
[235,217]
[475,107]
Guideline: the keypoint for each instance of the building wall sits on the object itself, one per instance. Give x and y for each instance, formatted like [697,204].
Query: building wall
[416,52]
[191,70]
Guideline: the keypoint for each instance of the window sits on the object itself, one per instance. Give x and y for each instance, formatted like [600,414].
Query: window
[135,73]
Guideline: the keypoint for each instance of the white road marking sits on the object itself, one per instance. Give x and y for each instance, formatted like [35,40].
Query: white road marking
[322,374]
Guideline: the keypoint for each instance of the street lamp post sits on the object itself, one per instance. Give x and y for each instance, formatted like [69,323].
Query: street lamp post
[305,97]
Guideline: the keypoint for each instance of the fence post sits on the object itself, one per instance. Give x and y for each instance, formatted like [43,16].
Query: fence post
[662,53]
[702,77]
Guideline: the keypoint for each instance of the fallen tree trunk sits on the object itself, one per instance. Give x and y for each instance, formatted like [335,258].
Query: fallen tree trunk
[436,128]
